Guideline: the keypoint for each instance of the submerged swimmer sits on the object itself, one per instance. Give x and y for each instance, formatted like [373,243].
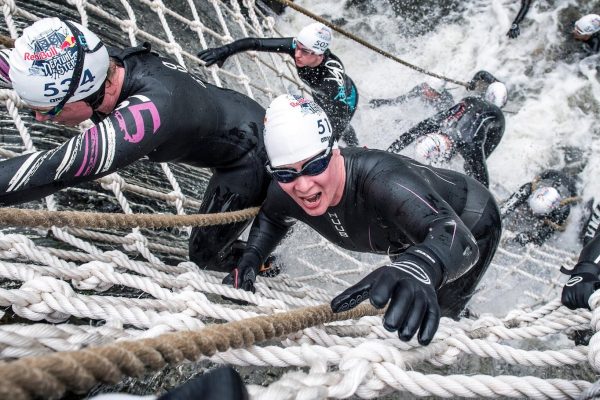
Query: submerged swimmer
[541,207]
[128,94]
[439,227]
[473,128]
[316,65]
[587,30]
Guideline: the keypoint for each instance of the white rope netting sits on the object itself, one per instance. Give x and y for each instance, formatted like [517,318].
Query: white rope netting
[138,284]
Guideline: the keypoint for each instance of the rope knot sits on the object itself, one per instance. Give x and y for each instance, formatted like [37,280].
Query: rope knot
[41,291]
[113,181]
[94,271]
[129,25]
[196,26]
[134,239]
[157,5]
[176,196]
[173,48]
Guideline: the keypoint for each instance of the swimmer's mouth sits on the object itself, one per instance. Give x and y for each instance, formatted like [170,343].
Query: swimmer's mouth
[312,199]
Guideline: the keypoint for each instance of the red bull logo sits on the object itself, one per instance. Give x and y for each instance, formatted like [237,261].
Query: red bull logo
[40,55]
[299,102]
[68,42]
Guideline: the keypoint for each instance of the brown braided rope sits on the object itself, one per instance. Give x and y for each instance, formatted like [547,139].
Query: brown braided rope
[7,41]
[77,219]
[367,44]
[52,376]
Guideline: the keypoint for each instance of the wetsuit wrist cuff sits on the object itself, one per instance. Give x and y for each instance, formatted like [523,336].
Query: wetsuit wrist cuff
[432,264]
[583,267]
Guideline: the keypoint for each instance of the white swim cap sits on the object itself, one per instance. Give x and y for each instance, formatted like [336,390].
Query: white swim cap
[44,60]
[588,25]
[497,94]
[295,129]
[316,37]
[4,68]
[544,200]
[433,147]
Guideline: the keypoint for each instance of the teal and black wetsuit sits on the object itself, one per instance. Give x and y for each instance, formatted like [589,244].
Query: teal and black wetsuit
[331,87]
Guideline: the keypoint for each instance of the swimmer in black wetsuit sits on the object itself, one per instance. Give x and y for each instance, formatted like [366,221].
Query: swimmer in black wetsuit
[316,65]
[585,276]
[136,115]
[439,227]
[587,30]
[514,30]
[473,127]
[541,207]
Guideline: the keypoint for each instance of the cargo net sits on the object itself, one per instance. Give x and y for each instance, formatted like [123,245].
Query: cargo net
[89,306]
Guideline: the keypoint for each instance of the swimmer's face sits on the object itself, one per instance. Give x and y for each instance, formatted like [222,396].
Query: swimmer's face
[72,114]
[305,57]
[580,36]
[315,194]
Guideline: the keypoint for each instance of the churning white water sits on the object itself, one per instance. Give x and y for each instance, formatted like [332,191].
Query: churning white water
[553,95]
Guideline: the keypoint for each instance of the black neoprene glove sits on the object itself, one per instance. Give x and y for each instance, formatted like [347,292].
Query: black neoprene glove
[242,277]
[409,284]
[216,55]
[583,282]
[514,31]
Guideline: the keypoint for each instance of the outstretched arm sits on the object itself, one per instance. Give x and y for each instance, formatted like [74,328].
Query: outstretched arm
[268,229]
[481,77]
[519,197]
[423,128]
[475,164]
[514,30]
[444,249]
[218,55]
[417,91]
[585,276]
[117,141]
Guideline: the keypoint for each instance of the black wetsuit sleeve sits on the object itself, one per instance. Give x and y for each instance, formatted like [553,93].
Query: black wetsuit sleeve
[413,93]
[515,200]
[269,228]
[423,128]
[484,76]
[475,165]
[409,204]
[592,224]
[272,45]
[525,4]
[591,251]
[125,136]
[594,43]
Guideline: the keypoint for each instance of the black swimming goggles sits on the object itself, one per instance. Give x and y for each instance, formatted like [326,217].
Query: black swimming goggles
[315,166]
[82,48]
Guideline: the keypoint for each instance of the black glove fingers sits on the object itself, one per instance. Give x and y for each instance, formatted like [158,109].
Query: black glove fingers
[399,308]
[430,323]
[381,290]
[355,294]
[350,298]
[414,319]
